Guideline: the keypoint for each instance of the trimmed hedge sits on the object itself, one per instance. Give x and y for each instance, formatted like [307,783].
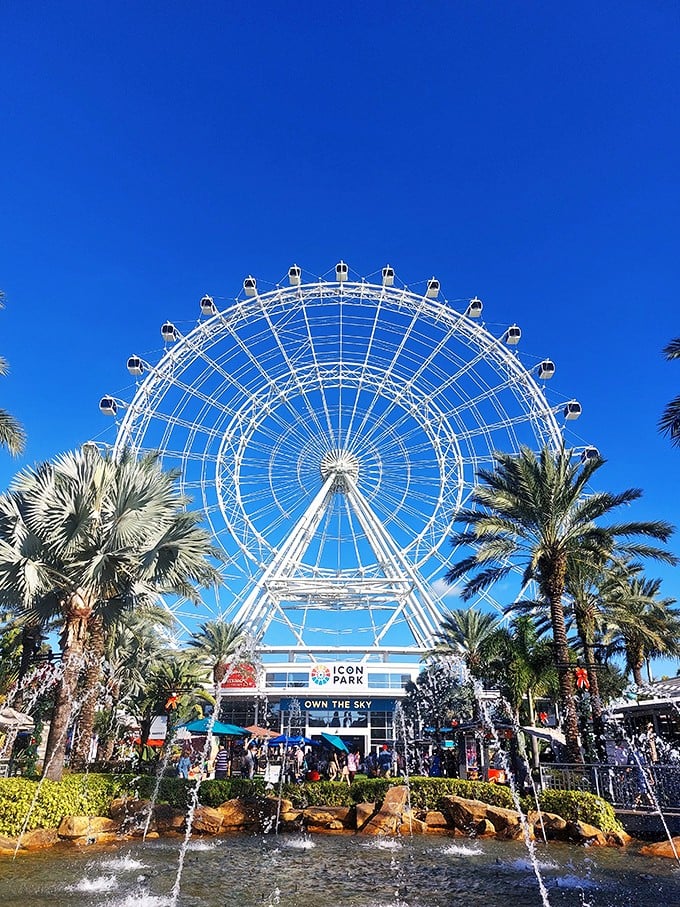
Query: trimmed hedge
[580,806]
[91,795]
[75,795]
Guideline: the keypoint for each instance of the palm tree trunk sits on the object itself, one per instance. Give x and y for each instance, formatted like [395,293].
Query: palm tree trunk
[77,611]
[95,655]
[586,636]
[555,589]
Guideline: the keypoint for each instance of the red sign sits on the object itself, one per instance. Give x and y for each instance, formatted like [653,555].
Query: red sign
[240,676]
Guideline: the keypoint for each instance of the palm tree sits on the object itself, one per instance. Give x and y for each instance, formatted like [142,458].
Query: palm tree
[535,513]
[640,624]
[12,435]
[472,635]
[669,423]
[217,641]
[92,535]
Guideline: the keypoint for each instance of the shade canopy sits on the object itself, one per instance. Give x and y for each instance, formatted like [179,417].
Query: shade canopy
[218,728]
[335,741]
[257,731]
[296,740]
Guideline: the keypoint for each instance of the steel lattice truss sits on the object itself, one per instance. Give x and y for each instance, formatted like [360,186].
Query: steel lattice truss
[329,432]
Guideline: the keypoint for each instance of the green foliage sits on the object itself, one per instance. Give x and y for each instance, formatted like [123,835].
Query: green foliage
[75,795]
[177,792]
[320,793]
[426,793]
[580,806]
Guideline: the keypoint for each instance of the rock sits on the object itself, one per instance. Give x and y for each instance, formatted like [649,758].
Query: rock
[86,826]
[412,826]
[324,816]
[7,845]
[464,814]
[555,826]
[168,818]
[516,832]
[207,821]
[388,818]
[486,828]
[620,839]
[662,849]
[39,838]
[435,819]
[503,819]
[364,811]
[238,814]
[583,833]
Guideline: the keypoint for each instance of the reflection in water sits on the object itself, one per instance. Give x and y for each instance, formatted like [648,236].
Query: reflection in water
[341,870]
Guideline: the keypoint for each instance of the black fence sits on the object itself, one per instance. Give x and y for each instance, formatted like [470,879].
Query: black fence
[625,786]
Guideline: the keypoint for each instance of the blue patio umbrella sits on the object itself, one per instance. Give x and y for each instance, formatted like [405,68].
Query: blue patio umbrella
[335,741]
[219,729]
[296,740]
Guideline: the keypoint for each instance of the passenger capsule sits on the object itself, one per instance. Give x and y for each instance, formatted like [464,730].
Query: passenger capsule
[250,286]
[546,369]
[432,288]
[341,272]
[294,275]
[513,335]
[572,410]
[169,332]
[134,365]
[590,453]
[208,305]
[388,276]
[108,406]
[474,309]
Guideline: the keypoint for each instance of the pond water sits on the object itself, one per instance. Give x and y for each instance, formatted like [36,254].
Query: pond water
[342,871]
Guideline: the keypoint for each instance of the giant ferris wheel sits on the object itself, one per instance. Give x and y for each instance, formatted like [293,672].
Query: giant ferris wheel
[330,430]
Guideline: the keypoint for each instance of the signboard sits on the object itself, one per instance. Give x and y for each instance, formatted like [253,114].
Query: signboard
[241,676]
[338,674]
[339,703]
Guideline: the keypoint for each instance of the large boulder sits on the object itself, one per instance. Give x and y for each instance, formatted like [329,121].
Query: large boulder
[88,827]
[327,816]
[39,838]
[583,833]
[620,839]
[237,814]
[388,818]
[168,819]
[663,849]
[364,811]
[207,821]
[555,826]
[436,820]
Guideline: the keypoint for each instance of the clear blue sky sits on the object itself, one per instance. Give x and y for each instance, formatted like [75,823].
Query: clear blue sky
[524,152]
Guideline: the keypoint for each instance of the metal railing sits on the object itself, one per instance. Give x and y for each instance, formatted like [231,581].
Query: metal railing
[624,786]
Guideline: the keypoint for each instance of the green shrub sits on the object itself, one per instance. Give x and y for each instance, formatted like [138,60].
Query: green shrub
[426,793]
[320,793]
[580,806]
[46,803]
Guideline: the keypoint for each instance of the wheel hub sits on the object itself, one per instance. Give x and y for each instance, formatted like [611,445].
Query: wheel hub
[343,465]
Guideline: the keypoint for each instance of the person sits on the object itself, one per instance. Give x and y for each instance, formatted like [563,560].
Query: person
[651,743]
[384,761]
[353,761]
[333,768]
[249,763]
[222,763]
[344,770]
[436,766]
[335,720]
[184,765]
[636,760]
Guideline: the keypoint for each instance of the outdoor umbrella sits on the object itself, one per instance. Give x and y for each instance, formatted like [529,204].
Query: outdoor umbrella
[219,729]
[257,731]
[10,719]
[291,741]
[335,741]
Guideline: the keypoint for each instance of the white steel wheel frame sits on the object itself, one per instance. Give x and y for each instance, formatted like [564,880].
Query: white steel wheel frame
[330,432]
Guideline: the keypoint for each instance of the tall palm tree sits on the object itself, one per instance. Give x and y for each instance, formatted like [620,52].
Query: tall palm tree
[12,435]
[535,513]
[669,423]
[93,535]
[217,641]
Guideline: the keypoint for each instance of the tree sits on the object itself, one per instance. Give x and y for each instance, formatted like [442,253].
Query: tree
[437,699]
[472,635]
[641,624]
[90,535]
[12,435]
[535,512]
[217,641]
[669,423]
